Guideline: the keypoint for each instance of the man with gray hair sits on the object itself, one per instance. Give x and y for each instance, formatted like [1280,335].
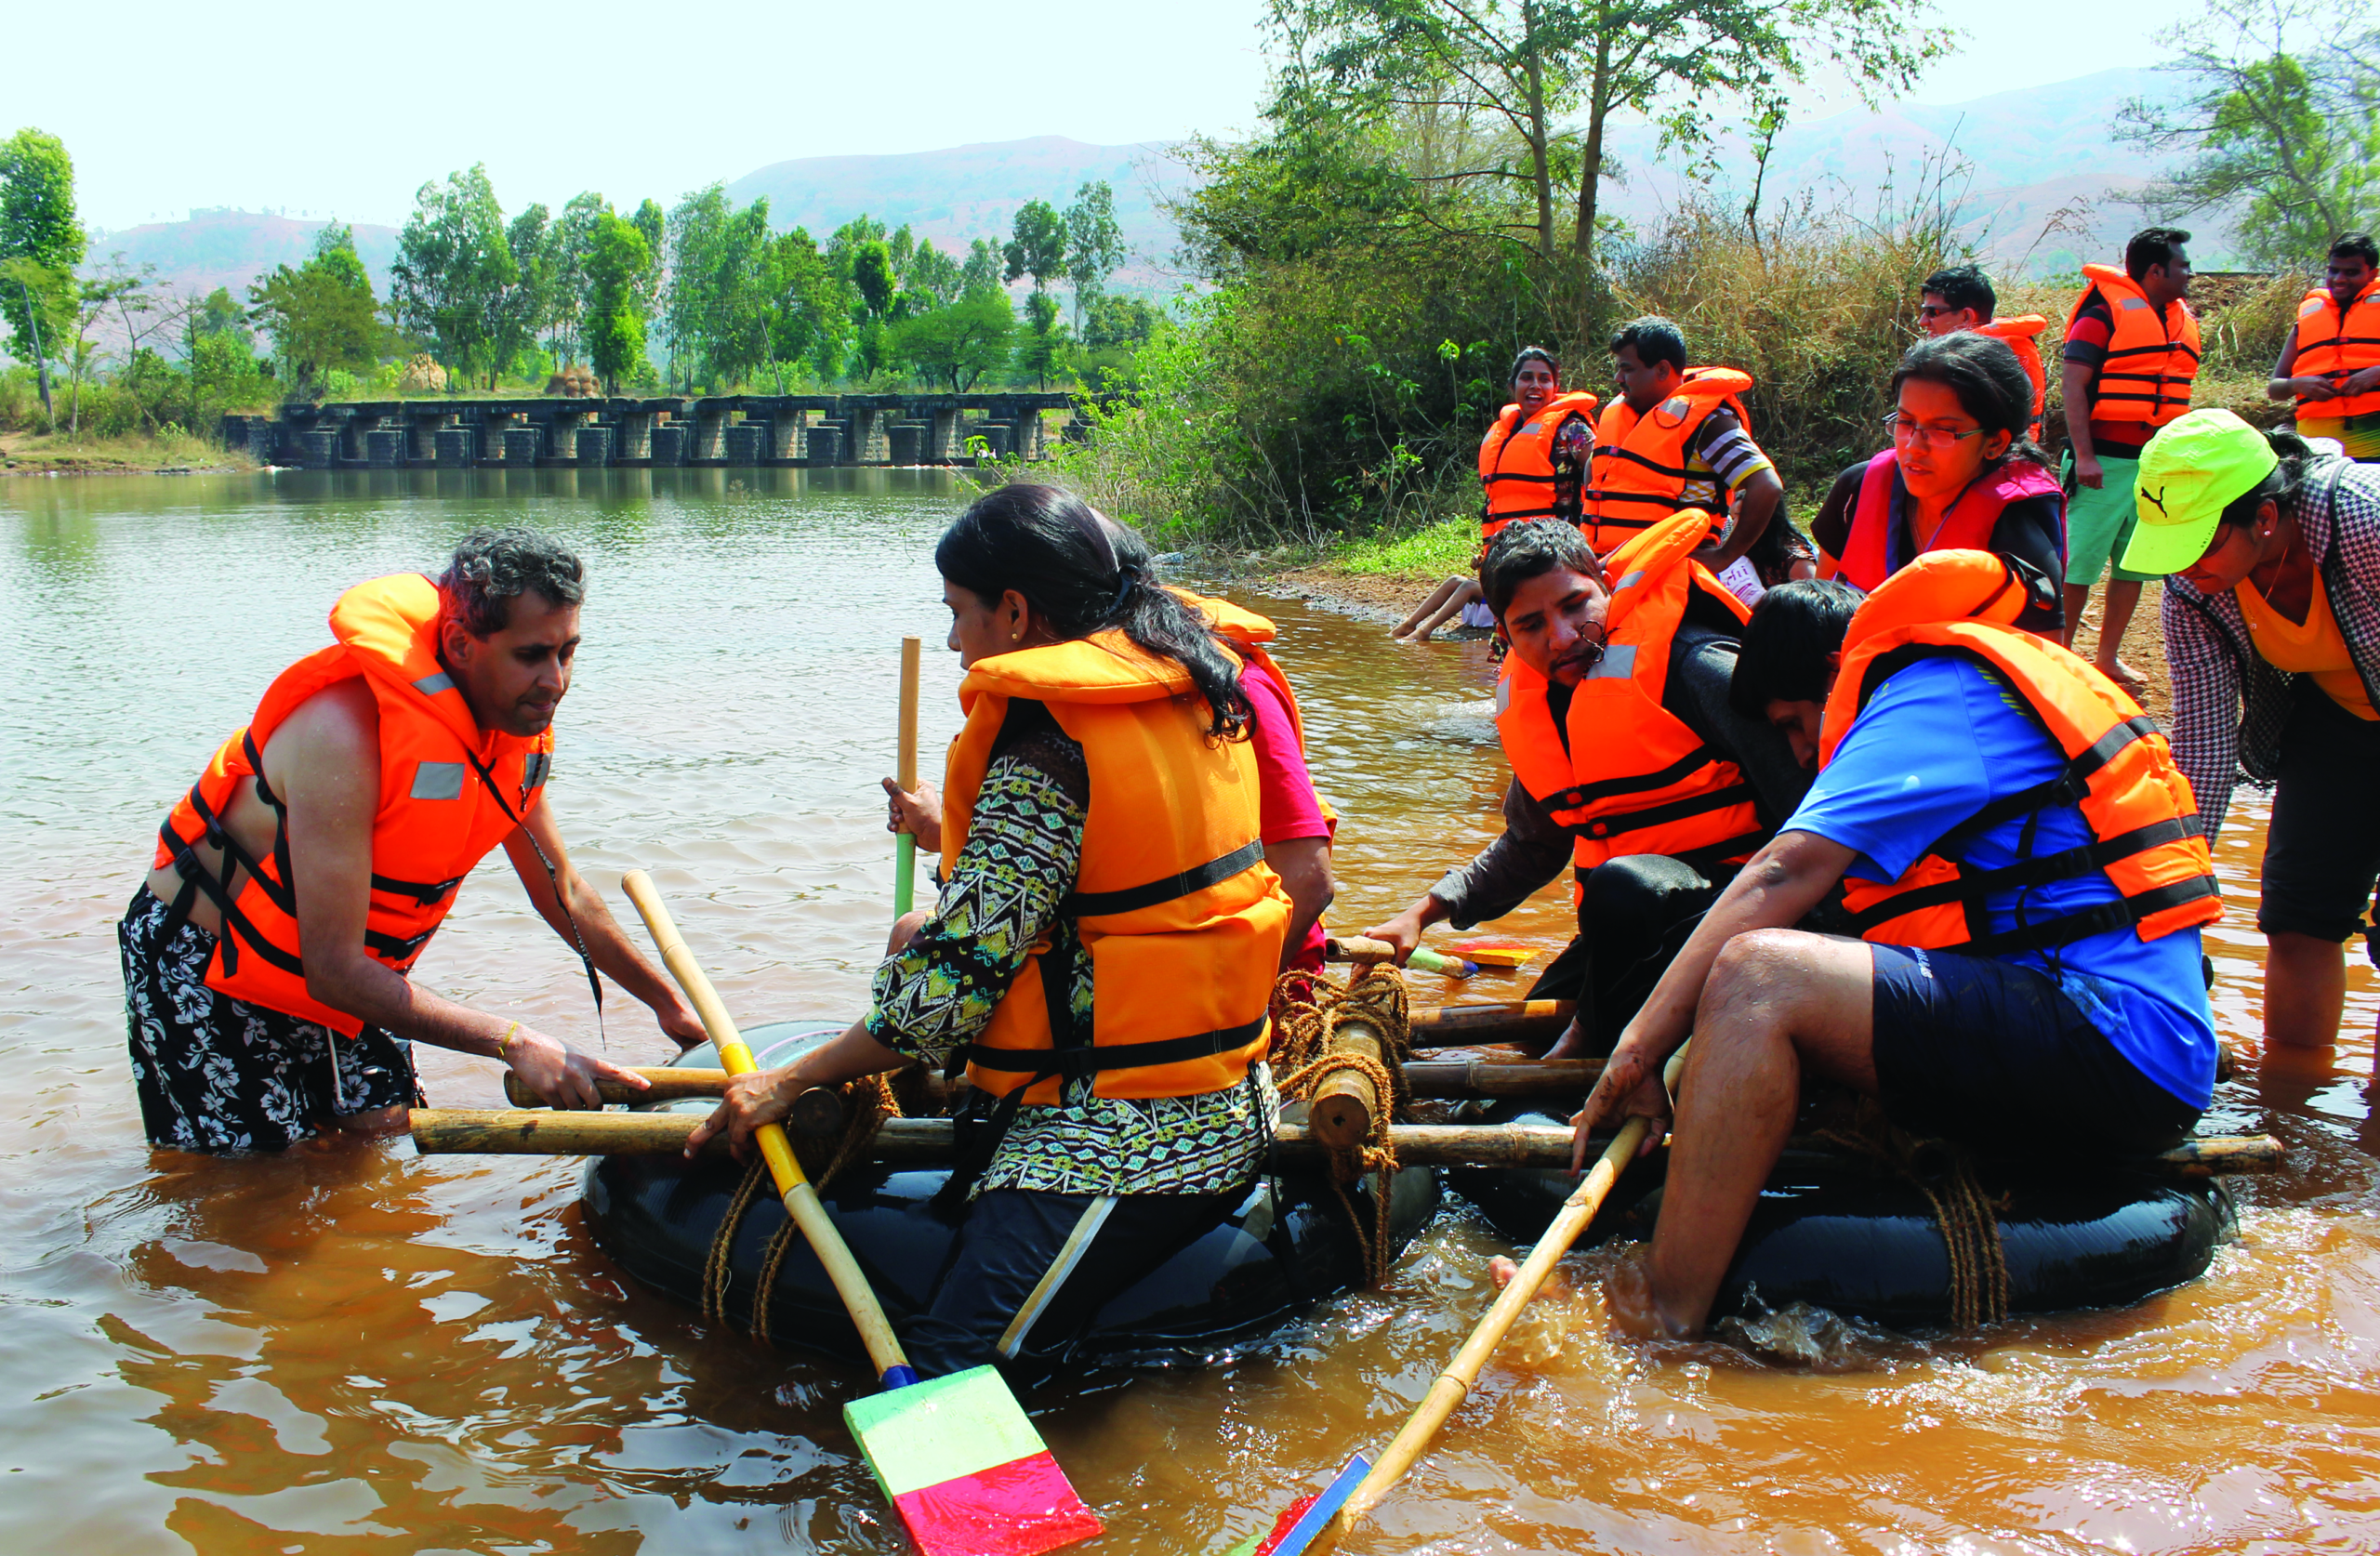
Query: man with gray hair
[266,957]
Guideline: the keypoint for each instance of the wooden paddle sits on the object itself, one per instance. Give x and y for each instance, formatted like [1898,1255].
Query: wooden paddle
[956,1456]
[905,851]
[1453,1386]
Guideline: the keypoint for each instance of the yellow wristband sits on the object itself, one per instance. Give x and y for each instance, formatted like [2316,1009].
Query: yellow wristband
[505,1041]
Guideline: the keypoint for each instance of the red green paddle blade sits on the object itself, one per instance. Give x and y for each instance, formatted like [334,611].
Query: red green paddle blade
[966,1472]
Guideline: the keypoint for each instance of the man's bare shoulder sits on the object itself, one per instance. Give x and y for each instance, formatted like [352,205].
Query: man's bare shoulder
[336,730]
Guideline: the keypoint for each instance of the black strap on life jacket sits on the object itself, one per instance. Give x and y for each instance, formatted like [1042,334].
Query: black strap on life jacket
[1971,887]
[1603,828]
[1072,1054]
[561,899]
[1578,796]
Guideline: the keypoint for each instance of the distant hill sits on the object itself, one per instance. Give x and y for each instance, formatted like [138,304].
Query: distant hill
[965,192]
[2026,157]
[232,248]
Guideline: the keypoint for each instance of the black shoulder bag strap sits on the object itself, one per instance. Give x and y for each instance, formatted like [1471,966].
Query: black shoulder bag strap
[561,899]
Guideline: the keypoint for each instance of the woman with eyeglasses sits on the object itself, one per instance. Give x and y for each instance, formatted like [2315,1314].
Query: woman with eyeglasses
[1961,475]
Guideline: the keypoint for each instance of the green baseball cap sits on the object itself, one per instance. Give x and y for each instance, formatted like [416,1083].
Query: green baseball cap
[2191,470]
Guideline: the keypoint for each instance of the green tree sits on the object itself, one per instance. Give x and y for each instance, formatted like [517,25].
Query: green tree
[573,239]
[697,225]
[983,267]
[958,344]
[321,316]
[811,318]
[219,314]
[1039,344]
[38,226]
[618,264]
[2281,123]
[1037,245]
[1094,245]
[454,269]
[934,276]
[1549,75]
[525,306]
[654,223]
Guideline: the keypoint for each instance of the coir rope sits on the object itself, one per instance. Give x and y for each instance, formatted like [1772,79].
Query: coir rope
[1308,1009]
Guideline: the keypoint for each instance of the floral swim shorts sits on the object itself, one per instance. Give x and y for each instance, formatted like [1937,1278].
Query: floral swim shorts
[217,1074]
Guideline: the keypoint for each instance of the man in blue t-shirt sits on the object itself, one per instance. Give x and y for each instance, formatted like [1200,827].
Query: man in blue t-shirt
[2102,1045]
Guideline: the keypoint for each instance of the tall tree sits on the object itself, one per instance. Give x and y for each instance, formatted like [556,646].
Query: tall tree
[38,226]
[525,306]
[696,226]
[1094,245]
[321,315]
[1036,244]
[453,268]
[983,267]
[958,344]
[1537,68]
[573,239]
[618,264]
[2282,122]
[812,306]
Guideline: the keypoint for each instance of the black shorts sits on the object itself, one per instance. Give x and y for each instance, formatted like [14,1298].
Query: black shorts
[1995,1056]
[218,1074]
[2322,851]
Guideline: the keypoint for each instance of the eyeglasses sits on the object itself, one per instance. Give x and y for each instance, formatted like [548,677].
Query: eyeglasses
[1937,438]
[1934,311]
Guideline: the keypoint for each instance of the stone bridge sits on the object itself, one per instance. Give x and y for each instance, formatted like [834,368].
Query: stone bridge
[712,431]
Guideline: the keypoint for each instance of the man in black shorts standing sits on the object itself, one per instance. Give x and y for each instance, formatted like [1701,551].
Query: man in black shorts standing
[2017,850]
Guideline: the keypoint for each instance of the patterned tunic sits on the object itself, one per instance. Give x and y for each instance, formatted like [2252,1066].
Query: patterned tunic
[1023,847]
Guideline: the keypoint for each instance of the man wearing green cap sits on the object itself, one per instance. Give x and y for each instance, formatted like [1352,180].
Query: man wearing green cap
[2272,629]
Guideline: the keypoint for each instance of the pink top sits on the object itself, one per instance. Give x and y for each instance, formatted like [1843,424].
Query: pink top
[1290,809]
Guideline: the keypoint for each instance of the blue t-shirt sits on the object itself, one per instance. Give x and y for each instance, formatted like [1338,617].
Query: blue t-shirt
[1935,744]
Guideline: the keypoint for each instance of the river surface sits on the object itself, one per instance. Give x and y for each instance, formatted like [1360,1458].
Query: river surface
[356,1349]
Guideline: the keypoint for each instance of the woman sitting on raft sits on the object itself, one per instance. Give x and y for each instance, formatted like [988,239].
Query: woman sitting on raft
[1102,952]
[1961,473]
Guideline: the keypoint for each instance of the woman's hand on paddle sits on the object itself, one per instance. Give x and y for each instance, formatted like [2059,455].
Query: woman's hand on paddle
[561,1075]
[762,1097]
[1630,1088]
[918,814]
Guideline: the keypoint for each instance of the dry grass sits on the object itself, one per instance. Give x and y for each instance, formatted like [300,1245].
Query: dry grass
[45,453]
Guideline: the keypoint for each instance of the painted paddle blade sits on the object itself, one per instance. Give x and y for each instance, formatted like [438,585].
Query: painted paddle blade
[1295,1532]
[1502,955]
[966,1470]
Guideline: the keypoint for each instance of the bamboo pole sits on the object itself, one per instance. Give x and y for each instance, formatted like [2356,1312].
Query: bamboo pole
[1424,1078]
[927,1141]
[1516,1021]
[905,853]
[1347,1101]
[801,1203]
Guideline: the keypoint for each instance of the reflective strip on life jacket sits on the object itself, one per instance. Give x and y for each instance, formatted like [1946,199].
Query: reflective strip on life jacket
[2119,775]
[2334,342]
[2146,374]
[1641,465]
[431,826]
[1172,902]
[1634,778]
[1516,461]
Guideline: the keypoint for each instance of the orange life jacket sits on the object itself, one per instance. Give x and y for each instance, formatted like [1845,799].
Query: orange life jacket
[448,793]
[1247,634]
[2150,361]
[1516,460]
[2334,341]
[1172,902]
[1632,778]
[2121,774]
[1639,473]
[2017,333]
[1967,527]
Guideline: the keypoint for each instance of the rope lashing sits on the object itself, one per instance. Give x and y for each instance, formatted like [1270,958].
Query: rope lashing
[1308,1009]
[1968,1216]
[869,1101]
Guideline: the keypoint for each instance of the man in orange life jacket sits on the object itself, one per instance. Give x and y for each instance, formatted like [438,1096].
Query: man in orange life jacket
[2330,364]
[1675,437]
[1961,298]
[2021,856]
[1629,763]
[2130,355]
[266,958]
[1532,465]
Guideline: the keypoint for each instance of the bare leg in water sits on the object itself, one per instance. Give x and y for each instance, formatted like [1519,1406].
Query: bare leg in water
[1444,603]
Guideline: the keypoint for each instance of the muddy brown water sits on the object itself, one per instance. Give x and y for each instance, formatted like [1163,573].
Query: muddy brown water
[356,1349]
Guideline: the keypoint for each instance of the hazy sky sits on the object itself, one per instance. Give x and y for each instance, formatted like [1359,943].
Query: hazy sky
[330,109]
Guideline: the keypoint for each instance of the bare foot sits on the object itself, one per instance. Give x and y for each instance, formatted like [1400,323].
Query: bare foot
[2123,675]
